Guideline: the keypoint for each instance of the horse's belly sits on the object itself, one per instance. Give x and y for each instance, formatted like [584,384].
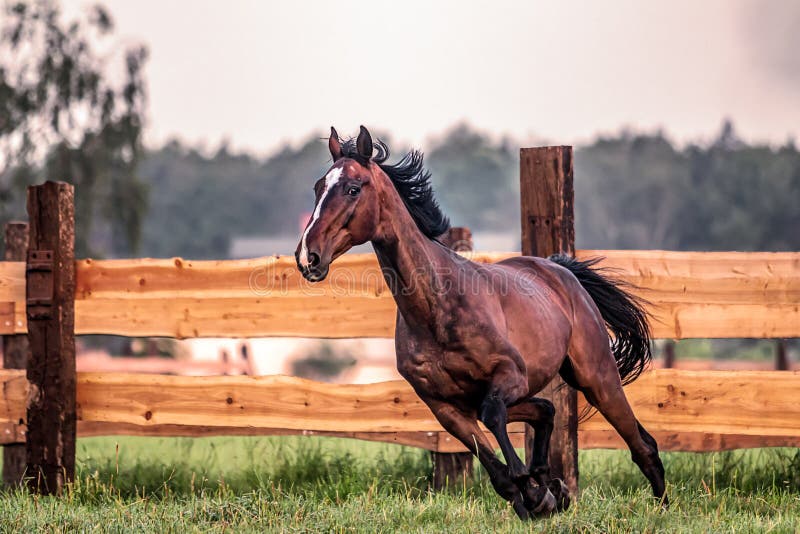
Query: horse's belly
[541,336]
[542,358]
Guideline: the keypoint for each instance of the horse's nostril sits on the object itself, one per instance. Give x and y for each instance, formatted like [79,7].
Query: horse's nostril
[313,259]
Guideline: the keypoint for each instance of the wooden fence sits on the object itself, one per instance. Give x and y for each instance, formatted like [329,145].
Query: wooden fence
[685,410]
[692,294]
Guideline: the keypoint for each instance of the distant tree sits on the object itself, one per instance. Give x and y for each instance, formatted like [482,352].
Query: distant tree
[205,201]
[642,192]
[629,192]
[743,197]
[476,180]
[64,116]
[323,363]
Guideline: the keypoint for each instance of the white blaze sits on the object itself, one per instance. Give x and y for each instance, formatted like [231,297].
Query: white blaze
[330,180]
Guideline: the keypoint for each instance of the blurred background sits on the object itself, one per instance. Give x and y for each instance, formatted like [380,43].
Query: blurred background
[197,129]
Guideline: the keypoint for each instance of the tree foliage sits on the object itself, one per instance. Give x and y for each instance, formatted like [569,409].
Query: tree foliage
[202,202]
[64,116]
[641,192]
[631,191]
[477,180]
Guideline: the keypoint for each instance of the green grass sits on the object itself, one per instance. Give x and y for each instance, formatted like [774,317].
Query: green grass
[757,350]
[330,485]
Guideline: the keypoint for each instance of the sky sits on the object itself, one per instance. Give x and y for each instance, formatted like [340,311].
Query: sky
[258,74]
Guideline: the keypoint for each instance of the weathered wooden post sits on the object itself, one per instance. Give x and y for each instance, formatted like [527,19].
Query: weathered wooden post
[548,227]
[452,467]
[50,297]
[669,354]
[781,356]
[15,352]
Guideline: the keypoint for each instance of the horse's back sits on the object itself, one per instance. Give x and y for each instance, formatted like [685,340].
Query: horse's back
[542,281]
[542,269]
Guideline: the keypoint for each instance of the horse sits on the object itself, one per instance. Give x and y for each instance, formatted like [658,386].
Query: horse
[478,341]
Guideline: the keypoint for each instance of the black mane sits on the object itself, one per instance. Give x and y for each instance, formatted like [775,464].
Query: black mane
[413,183]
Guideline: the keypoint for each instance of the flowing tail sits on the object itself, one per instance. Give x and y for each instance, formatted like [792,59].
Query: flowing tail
[623,313]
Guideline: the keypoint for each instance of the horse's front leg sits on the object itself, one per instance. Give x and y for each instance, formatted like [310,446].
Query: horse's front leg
[508,385]
[464,427]
[494,415]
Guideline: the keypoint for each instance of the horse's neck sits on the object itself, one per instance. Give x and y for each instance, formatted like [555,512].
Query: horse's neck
[413,267]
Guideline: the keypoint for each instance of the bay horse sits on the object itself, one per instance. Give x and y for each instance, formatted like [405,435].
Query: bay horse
[478,341]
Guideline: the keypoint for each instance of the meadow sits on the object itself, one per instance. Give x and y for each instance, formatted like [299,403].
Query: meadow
[296,484]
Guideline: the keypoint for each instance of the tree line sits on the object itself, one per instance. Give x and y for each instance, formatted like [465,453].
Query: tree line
[634,191]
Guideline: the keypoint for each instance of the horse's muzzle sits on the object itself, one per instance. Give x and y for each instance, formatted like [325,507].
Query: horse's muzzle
[315,274]
[315,271]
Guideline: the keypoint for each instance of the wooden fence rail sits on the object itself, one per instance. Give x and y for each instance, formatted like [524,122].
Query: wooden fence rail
[693,294]
[685,410]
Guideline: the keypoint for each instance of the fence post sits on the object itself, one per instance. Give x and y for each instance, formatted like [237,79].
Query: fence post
[15,353]
[451,467]
[781,356]
[548,227]
[669,354]
[50,299]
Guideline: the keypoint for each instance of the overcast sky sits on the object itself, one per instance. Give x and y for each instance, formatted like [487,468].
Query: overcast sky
[259,73]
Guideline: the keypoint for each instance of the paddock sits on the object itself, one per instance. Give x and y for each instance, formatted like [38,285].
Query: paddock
[47,296]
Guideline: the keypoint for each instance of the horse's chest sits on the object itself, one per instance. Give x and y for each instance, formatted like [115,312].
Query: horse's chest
[443,375]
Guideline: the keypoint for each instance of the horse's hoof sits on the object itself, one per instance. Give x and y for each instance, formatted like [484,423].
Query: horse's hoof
[561,493]
[539,500]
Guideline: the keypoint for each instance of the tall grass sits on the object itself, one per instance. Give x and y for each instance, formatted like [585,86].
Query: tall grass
[319,484]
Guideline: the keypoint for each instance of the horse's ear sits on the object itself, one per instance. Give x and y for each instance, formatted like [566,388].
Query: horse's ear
[334,145]
[364,144]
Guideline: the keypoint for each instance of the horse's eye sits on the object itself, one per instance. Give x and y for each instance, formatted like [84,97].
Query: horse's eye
[353,190]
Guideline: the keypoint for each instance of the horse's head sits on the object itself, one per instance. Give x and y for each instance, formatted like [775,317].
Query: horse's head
[346,210]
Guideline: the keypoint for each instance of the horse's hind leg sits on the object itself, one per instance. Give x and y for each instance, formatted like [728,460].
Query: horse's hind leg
[644,449]
[539,414]
[595,374]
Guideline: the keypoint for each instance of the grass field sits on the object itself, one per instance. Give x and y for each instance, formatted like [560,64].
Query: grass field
[330,485]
